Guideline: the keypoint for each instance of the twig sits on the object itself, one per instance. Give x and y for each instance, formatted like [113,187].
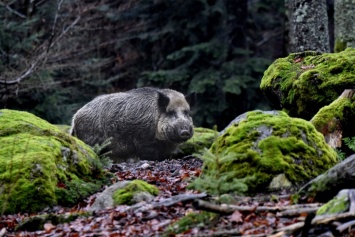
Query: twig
[345,226]
[228,233]
[20,78]
[207,206]
[180,198]
[298,211]
[325,219]
[187,157]
[140,207]
[59,4]
[352,200]
[12,10]
[41,59]
[229,209]
[288,229]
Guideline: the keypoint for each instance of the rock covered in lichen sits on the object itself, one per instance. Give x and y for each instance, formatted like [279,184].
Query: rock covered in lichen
[302,83]
[267,145]
[41,166]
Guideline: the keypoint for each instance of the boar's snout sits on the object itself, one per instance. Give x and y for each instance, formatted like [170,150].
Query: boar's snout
[184,132]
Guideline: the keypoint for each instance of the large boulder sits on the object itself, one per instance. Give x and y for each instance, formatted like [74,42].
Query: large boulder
[41,166]
[302,83]
[271,150]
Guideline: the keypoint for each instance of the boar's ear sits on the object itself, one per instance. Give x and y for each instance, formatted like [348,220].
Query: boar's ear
[191,98]
[163,101]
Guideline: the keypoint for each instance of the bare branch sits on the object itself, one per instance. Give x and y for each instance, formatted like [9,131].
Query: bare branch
[39,57]
[283,210]
[12,10]
[59,4]
[20,78]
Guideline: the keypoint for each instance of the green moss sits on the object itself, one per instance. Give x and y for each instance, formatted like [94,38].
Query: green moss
[269,145]
[202,138]
[77,189]
[334,206]
[227,199]
[339,45]
[218,180]
[337,117]
[324,119]
[35,223]
[302,83]
[37,161]
[125,195]
[190,221]
[63,127]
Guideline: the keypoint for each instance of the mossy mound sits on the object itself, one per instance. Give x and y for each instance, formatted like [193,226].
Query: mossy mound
[41,166]
[339,116]
[269,144]
[127,194]
[302,83]
[63,127]
[342,109]
[202,138]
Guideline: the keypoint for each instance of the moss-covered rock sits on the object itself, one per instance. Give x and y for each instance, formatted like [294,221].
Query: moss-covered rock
[336,120]
[133,191]
[267,144]
[63,127]
[302,83]
[41,166]
[339,204]
[202,138]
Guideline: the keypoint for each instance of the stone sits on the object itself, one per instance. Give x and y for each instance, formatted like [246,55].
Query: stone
[41,166]
[268,144]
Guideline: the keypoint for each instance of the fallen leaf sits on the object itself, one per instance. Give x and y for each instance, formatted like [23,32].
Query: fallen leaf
[48,227]
[297,60]
[236,217]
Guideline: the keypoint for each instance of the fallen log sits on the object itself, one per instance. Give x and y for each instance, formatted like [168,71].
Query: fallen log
[326,219]
[140,207]
[325,186]
[225,209]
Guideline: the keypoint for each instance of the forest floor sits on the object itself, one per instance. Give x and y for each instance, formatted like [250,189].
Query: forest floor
[263,215]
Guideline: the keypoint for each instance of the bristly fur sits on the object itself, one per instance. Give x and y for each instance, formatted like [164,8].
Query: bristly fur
[145,123]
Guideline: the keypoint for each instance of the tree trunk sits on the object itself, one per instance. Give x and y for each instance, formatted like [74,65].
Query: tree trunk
[308,26]
[344,17]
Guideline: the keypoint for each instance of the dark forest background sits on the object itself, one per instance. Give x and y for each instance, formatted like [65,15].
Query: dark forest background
[55,56]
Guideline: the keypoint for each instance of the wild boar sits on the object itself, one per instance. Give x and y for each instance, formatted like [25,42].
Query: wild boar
[145,123]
